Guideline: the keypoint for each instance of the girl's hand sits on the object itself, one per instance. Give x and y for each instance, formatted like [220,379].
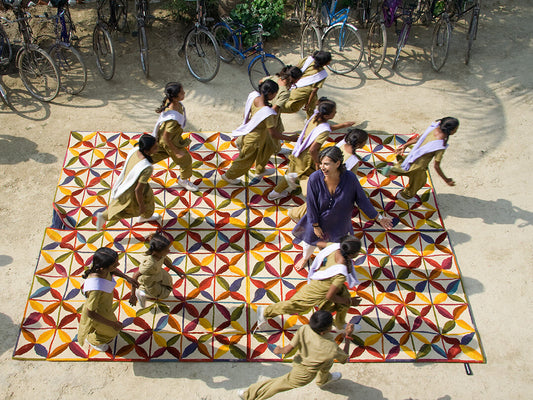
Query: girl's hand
[133,282]
[348,330]
[355,301]
[318,231]
[399,150]
[449,181]
[277,350]
[133,300]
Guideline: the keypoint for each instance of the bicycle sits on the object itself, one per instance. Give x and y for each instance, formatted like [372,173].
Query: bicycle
[37,70]
[112,16]
[228,34]
[361,12]
[452,12]
[142,20]
[340,38]
[303,9]
[377,40]
[72,69]
[200,46]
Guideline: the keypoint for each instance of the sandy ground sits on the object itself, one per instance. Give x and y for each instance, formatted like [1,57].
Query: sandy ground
[488,214]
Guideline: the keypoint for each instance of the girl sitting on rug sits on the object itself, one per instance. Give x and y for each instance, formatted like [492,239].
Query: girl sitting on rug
[154,281]
[98,324]
[432,144]
[131,195]
[325,288]
[304,158]
[169,129]
[314,75]
[256,134]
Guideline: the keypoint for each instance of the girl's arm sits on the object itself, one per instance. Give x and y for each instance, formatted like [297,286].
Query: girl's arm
[169,265]
[347,337]
[132,281]
[283,136]
[310,98]
[283,350]
[448,181]
[314,151]
[166,139]
[98,318]
[401,148]
[342,125]
[133,297]
[333,297]
[139,190]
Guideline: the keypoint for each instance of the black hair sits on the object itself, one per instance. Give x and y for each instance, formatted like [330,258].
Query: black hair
[335,154]
[325,106]
[355,138]
[321,58]
[350,247]
[447,126]
[146,142]
[172,90]
[266,88]
[103,258]
[158,242]
[290,72]
[321,321]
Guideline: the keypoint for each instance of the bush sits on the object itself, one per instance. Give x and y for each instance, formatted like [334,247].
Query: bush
[269,13]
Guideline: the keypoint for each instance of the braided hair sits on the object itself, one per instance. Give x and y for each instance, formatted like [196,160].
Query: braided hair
[103,258]
[290,71]
[146,142]
[356,138]
[172,90]
[321,58]
[350,247]
[325,107]
[267,88]
[447,126]
[158,242]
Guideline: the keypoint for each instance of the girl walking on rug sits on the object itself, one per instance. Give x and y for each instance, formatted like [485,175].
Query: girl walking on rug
[154,281]
[314,75]
[131,195]
[325,288]
[432,144]
[304,158]
[169,129]
[256,134]
[316,352]
[98,324]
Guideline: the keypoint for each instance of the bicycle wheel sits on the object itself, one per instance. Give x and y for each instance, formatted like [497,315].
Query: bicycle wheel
[143,47]
[401,43]
[6,51]
[3,95]
[263,65]
[377,45]
[344,43]
[471,35]
[225,39]
[120,11]
[202,54]
[440,43]
[104,51]
[72,70]
[39,74]
[310,39]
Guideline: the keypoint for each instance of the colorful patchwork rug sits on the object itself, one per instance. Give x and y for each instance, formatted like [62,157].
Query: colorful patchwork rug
[236,249]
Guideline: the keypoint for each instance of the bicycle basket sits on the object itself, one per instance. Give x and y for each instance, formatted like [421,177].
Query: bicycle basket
[58,3]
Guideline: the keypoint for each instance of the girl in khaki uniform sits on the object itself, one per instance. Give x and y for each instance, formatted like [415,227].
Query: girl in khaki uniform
[131,195]
[154,281]
[316,353]
[432,144]
[314,75]
[168,131]
[98,324]
[325,287]
[257,145]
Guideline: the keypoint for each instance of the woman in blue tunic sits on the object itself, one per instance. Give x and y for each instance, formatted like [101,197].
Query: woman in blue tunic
[332,192]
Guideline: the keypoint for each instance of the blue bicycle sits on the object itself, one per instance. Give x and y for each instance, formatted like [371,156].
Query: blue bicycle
[340,38]
[228,34]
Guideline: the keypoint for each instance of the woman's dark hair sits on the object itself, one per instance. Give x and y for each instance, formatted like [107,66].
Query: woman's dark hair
[321,321]
[447,125]
[350,247]
[103,258]
[290,72]
[267,88]
[355,138]
[321,58]
[335,154]
[146,142]
[172,90]
[325,106]
[158,242]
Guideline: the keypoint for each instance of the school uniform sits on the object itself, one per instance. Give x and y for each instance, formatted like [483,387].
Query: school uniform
[155,281]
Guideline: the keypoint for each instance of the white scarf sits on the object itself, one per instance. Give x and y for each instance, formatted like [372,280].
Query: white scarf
[167,116]
[248,124]
[100,284]
[124,183]
[352,160]
[303,141]
[315,274]
[309,80]
[419,150]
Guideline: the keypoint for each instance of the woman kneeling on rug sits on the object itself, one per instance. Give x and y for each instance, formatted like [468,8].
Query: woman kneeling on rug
[131,195]
[98,324]
[154,281]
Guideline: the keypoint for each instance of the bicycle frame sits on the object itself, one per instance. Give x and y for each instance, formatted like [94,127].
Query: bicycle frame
[335,17]
[62,31]
[237,36]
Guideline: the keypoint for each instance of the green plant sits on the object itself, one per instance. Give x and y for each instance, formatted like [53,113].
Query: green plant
[186,9]
[269,13]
